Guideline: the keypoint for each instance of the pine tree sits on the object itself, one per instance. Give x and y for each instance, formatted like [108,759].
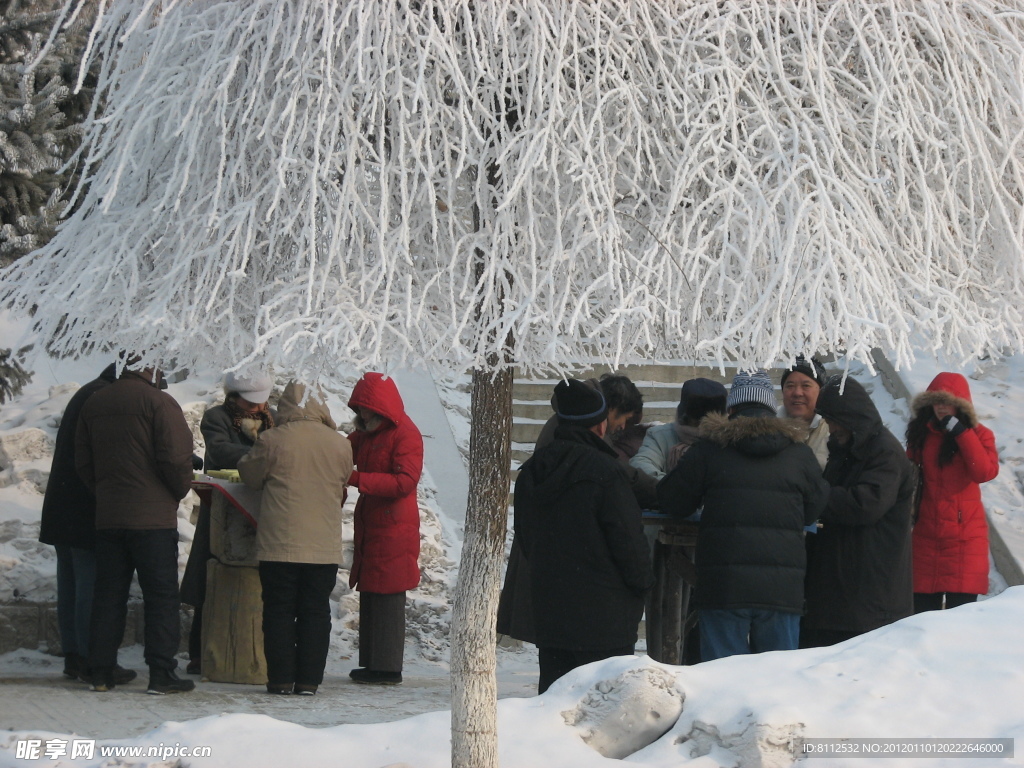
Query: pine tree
[13,375]
[41,118]
[40,123]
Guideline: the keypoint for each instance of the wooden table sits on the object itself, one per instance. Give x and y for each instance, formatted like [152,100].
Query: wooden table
[232,638]
[669,618]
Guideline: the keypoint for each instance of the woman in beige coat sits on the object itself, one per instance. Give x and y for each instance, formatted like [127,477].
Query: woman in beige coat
[302,465]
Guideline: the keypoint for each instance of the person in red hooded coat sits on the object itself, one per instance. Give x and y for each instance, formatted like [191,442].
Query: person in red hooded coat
[954,454]
[388,452]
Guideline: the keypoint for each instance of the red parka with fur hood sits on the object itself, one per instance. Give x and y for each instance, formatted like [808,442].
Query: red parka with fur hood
[951,534]
[389,460]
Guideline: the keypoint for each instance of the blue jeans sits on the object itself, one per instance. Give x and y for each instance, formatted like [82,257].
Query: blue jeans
[730,632]
[76,576]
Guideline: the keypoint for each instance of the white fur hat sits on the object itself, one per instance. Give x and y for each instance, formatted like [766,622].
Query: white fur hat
[255,389]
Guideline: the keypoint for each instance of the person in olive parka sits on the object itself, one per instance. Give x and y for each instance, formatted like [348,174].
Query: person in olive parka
[859,563]
[759,486]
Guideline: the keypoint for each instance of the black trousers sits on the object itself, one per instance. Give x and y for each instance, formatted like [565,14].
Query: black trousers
[932,601]
[555,662]
[296,620]
[153,554]
[193,583]
[820,638]
[381,631]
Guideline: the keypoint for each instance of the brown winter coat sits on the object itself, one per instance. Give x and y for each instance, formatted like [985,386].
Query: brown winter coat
[133,450]
[302,465]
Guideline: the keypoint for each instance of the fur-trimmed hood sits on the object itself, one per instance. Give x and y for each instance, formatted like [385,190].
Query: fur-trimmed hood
[948,389]
[758,436]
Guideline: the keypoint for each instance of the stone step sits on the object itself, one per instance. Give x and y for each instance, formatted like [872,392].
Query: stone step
[659,410]
[662,372]
[540,392]
[663,398]
[526,432]
[658,383]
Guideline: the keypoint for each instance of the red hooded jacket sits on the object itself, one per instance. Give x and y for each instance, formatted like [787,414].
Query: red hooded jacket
[388,461]
[951,534]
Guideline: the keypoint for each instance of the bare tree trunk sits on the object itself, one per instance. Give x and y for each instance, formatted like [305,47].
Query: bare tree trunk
[474,684]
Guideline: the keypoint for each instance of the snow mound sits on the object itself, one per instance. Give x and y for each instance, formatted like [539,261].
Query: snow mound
[27,445]
[757,745]
[621,715]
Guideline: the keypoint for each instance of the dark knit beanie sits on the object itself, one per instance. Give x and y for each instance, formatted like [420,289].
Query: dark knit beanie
[810,368]
[578,404]
[700,397]
[752,387]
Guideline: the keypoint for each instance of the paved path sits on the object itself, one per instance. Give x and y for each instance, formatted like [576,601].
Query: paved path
[35,696]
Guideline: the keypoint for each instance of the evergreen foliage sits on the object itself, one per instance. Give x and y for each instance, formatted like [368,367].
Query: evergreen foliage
[13,375]
[40,122]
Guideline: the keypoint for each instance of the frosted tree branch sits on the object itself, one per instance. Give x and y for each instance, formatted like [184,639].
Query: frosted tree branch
[294,182]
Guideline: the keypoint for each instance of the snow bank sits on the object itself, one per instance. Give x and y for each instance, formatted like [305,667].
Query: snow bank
[956,673]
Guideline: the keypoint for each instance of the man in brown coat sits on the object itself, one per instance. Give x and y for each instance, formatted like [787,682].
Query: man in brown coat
[133,450]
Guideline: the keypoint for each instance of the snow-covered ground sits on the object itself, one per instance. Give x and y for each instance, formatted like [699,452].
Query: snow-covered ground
[953,674]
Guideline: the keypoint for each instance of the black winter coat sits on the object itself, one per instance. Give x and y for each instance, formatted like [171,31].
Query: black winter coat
[859,567]
[515,614]
[69,508]
[579,526]
[759,486]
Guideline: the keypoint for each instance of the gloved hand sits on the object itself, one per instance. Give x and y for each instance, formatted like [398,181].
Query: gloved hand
[197,462]
[953,425]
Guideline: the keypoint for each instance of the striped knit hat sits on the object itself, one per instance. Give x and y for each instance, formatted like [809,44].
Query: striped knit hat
[752,387]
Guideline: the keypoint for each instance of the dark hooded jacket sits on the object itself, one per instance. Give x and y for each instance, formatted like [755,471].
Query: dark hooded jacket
[579,527]
[69,508]
[515,613]
[389,461]
[859,566]
[759,485]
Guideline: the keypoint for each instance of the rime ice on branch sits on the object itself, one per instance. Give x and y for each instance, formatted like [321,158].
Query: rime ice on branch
[297,182]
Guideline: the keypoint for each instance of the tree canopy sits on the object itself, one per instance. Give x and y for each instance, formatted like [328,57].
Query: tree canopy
[376,183]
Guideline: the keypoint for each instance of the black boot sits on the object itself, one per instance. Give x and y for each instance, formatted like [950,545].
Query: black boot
[100,679]
[121,676]
[73,665]
[163,681]
[375,677]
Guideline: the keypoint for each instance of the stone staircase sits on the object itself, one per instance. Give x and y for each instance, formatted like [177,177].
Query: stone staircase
[659,384]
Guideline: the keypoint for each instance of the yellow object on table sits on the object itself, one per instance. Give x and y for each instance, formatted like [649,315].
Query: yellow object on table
[225,474]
